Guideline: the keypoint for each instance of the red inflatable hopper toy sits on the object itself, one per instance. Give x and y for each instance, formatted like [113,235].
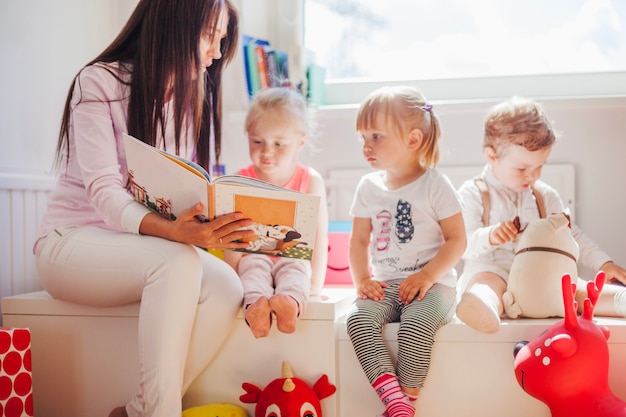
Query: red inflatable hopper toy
[567,366]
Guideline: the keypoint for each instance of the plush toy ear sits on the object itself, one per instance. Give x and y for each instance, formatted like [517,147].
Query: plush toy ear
[569,219]
[564,344]
[559,221]
[252,393]
[323,388]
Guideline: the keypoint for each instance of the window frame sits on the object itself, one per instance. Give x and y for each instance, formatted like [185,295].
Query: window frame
[341,92]
[608,84]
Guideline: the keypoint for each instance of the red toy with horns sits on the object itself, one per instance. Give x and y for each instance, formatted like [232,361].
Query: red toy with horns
[567,366]
[288,396]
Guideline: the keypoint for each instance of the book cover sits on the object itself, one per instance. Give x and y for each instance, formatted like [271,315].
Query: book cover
[272,66]
[316,76]
[261,61]
[285,220]
[282,61]
[250,63]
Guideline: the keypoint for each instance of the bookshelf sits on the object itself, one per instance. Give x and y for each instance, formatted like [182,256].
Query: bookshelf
[277,25]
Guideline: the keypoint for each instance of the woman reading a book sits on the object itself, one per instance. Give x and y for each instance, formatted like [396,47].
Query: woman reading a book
[159,80]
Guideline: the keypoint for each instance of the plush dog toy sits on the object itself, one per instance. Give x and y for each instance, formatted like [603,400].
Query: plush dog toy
[215,410]
[546,250]
[288,396]
[567,366]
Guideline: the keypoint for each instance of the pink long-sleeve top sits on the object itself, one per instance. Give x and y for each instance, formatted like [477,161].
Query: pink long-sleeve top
[91,188]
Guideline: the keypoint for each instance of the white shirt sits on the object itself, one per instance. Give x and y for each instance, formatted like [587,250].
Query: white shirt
[405,222]
[505,205]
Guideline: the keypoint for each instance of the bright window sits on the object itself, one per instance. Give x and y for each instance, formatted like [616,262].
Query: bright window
[506,41]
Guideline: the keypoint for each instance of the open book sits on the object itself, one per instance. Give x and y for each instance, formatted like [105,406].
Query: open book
[285,220]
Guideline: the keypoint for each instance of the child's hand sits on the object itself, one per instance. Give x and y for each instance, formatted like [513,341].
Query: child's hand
[415,285]
[614,272]
[503,232]
[371,289]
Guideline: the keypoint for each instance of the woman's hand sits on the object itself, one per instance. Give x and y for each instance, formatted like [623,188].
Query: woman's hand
[219,233]
[190,228]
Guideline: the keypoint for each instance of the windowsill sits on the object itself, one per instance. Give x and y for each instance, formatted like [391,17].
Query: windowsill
[341,111]
[491,89]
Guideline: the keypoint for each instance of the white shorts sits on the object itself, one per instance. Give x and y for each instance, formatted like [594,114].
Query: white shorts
[469,271]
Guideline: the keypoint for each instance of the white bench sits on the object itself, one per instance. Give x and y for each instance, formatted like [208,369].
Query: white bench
[85,361]
[471,373]
[85,358]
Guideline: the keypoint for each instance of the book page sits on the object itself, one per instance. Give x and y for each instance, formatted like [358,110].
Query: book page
[234,179]
[162,184]
[285,220]
[190,165]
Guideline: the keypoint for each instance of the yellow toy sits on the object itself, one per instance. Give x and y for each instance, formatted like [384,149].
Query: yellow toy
[216,410]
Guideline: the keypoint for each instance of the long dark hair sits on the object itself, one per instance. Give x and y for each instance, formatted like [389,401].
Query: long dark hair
[158,46]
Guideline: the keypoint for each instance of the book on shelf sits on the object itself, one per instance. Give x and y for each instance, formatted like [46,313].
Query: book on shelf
[282,63]
[250,63]
[316,84]
[265,66]
[285,221]
[261,62]
[277,66]
[273,77]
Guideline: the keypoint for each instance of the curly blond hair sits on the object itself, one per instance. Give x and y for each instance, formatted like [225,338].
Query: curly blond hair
[518,121]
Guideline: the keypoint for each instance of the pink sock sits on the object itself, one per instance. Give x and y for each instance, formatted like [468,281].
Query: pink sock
[412,399]
[390,393]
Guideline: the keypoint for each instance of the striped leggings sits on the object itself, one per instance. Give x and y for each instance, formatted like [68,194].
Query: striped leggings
[419,321]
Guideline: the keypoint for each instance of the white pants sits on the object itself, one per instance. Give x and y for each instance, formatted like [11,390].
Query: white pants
[264,276]
[189,301]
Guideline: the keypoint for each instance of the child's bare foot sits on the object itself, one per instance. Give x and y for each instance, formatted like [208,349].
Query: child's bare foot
[286,310]
[476,313]
[259,317]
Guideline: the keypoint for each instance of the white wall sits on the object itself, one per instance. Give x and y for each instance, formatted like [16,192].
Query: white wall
[44,43]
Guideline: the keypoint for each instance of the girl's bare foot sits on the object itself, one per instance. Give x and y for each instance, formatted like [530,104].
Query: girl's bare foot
[258,317]
[286,310]
[119,412]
